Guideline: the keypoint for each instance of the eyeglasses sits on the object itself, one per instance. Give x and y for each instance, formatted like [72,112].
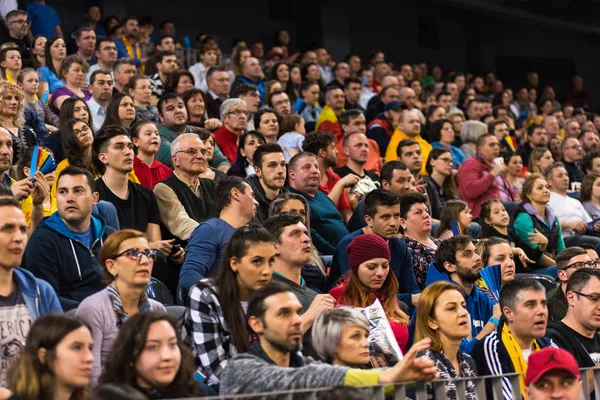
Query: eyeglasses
[193,152]
[594,298]
[577,147]
[136,254]
[21,22]
[83,131]
[582,264]
[237,113]
[448,161]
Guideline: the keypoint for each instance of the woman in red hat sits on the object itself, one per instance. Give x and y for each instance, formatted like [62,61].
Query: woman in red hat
[370,279]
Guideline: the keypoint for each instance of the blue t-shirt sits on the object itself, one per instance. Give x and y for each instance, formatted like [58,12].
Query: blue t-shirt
[50,77]
[44,19]
[86,237]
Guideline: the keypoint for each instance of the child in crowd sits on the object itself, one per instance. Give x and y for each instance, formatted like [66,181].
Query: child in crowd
[10,61]
[291,141]
[29,81]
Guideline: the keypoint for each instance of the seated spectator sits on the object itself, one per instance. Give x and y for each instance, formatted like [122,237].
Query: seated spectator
[267,123]
[234,113]
[382,217]
[179,81]
[123,70]
[567,261]
[184,199]
[457,261]
[382,127]
[215,325]
[127,262]
[10,61]
[591,162]
[325,219]
[440,175]
[341,337]
[54,338]
[255,372]
[553,372]
[537,228]
[369,280]
[519,335]
[251,74]
[539,160]
[140,90]
[146,139]
[454,210]
[470,133]
[409,127]
[291,140]
[415,222]
[308,106]
[64,249]
[244,164]
[577,331]
[510,183]
[128,45]
[357,150]
[209,56]
[536,137]
[55,52]
[40,200]
[251,96]
[269,180]
[334,107]
[572,154]
[497,251]
[12,112]
[77,138]
[71,109]
[106,53]
[120,111]
[24,297]
[314,273]
[322,144]
[101,88]
[477,176]
[73,70]
[590,195]
[28,80]
[279,102]
[149,355]
[166,62]
[442,137]
[574,219]
[443,317]
[196,109]
[235,204]
[209,143]
[217,80]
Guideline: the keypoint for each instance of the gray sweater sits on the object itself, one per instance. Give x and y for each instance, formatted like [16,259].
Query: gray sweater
[247,373]
[97,310]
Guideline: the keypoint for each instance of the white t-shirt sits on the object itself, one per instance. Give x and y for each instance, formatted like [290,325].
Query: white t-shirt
[526,354]
[568,209]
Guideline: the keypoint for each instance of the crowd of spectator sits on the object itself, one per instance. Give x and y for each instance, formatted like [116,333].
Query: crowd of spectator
[281,197]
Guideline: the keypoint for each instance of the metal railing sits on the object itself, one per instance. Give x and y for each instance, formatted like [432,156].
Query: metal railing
[419,389]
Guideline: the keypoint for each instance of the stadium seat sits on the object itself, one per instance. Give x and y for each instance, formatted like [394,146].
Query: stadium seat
[158,291]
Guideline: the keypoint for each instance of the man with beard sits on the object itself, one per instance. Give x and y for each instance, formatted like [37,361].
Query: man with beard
[322,144]
[520,333]
[101,87]
[269,178]
[382,216]
[18,28]
[457,261]
[127,45]
[536,137]
[590,141]
[184,199]
[326,221]
[275,362]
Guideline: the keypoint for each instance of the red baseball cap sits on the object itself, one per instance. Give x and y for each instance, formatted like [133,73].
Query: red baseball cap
[550,359]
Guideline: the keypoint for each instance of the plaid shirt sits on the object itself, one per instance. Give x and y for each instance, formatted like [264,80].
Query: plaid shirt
[205,330]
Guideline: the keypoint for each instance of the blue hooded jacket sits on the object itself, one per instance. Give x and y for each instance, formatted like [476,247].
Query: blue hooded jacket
[55,255]
[479,305]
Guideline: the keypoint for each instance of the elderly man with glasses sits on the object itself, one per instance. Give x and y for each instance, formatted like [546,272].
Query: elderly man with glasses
[18,28]
[568,261]
[234,113]
[577,331]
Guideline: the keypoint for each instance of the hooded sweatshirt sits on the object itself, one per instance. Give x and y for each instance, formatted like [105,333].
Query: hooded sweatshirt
[55,255]
[262,210]
[479,305]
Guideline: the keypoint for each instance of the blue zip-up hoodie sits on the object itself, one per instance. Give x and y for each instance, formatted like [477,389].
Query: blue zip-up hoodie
[479,305]
[55,255]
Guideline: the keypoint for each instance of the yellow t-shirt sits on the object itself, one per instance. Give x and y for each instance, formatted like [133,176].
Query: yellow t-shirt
[397,137]
[27,208]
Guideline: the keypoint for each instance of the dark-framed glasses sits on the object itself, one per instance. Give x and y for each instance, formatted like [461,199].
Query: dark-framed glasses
[594,298]
[136,254]
[582,264]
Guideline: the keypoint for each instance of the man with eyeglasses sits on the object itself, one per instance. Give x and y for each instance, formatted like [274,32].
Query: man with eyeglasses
[65,248]
[18,28]
[184,199]
[577,331]
[234,113]
[279,101]
[567,261]
[572,154]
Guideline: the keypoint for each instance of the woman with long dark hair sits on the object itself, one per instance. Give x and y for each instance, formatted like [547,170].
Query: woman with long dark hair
[71,108]
[440,174]
[454,210]
[281,73]
[50,74]
[248,143]
[149,355]
[215,323]
[120,111]
[179,81]
[139,88]
[56,362]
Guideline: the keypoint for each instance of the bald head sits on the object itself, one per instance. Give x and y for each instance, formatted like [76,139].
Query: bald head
[390,80]
[251,68]
[408,97]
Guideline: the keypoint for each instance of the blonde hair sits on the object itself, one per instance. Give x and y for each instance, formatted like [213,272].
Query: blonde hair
[7,88]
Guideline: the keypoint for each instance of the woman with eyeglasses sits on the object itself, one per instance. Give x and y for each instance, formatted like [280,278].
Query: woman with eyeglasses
[127,260]
[440,174]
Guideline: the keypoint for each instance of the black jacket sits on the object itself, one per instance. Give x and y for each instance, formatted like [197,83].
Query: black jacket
[262,210]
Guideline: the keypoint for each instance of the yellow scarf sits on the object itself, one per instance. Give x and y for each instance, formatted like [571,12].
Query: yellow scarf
[516,355]
[137,53]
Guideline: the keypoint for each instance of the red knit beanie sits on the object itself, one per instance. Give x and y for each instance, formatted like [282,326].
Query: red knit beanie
[367,247]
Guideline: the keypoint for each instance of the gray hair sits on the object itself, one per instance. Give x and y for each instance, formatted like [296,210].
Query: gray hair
[176,144]
[472,130]
[227,104]
[327,329]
